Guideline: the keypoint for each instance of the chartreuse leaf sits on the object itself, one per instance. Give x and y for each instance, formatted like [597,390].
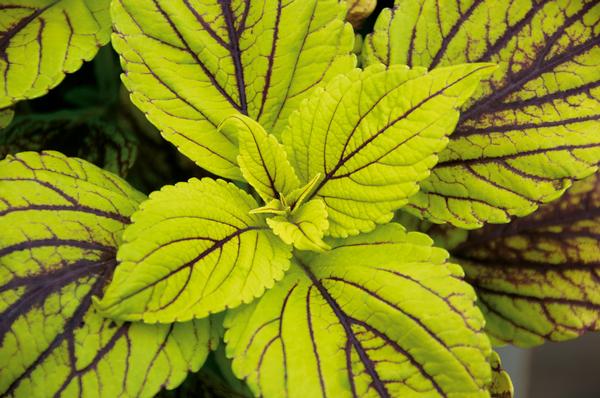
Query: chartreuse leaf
[530,129]
[538,278]
[193,249]
[373,135]
[443,235]
[380,314]
[501,386]
[61,221]
[41,40]
[303,228]
[189,65]
[262,159]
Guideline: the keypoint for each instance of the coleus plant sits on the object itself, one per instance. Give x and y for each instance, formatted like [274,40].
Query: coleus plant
[466,114]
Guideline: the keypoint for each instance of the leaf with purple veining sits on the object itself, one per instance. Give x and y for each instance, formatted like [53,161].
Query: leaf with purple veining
[41,40]
[193,249]
[379,315]
[61,221]
[374,135]
[538,278]
[533,126]
[189,64]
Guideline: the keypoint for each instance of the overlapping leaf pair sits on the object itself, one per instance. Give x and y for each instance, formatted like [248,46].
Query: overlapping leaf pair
[320,299]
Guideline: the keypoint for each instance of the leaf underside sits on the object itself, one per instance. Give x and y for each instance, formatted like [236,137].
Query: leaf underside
[193,249]
[61,220]
[41,40]
[378,315]
[533,127]
[373,135]
[538,278]
[189,65]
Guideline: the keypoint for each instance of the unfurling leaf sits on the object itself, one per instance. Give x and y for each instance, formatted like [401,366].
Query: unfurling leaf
[538,278]
[532,128]
[262,159]
[189,65]
[372,164]
[61,221]
[193,249]
[379,315]
[303,228]
[41,40]
[501,386]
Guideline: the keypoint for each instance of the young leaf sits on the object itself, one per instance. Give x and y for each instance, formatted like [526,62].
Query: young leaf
[61,221]
[303,228]
[501,386]
[42,40]
[374,135]
[378,315]
[538,278]
[530,130]
[189,65]
[193,249]
[262,158]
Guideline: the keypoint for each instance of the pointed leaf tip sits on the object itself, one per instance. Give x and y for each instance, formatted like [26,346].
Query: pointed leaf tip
[193,249]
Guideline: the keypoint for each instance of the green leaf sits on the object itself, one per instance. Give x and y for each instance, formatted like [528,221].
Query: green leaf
[531,129]
[61,221]
[501,386]
[190,65]
[538,278]
[262,158]
[303,228]
[84,133]
[193,249]
[42,40]
[374,135]
[380,315]
[6,116]
[444,235]
[224,366]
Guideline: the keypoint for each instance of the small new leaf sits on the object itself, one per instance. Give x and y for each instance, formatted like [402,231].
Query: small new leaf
[42,40]
[193,249]
[373,135]
[303,228]
[538,278]
[61,220]
[531,128]
[379,315]
[262,159]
